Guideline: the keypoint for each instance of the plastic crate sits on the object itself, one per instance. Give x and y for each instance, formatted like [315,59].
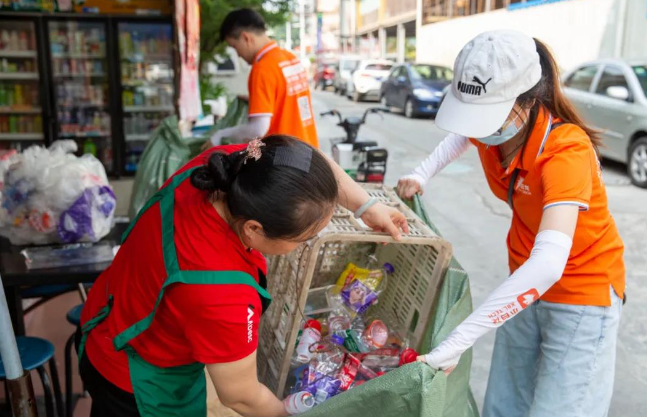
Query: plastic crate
[420,261]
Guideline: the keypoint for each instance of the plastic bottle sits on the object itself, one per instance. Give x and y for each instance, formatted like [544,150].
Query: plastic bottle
[13,124]
[14,43]
[408,356]
[90,147]
[324,325]
[299,402]
[3,96]
[311,335]
[22,41]
[18,98]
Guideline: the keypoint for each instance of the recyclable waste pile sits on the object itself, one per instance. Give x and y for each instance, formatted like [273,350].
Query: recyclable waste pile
[343,343]
[49,195]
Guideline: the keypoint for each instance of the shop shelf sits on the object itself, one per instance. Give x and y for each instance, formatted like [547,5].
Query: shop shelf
[18,75]
[20,110]
[148,109]
[137,137]
[21,136]
[4,53]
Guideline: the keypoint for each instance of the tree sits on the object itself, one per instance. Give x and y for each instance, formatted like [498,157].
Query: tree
[213,12]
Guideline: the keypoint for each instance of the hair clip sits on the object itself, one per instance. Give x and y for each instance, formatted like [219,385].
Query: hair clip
[254,150]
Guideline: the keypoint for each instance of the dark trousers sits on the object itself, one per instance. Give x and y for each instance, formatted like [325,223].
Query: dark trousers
[108,400]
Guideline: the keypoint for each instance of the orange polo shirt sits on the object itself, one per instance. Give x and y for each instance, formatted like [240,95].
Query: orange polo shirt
[561,168]
[278,87]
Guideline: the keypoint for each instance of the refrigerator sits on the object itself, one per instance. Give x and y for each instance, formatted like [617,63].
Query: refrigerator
[103,81]
[79,71]
[146,83]
[21,99]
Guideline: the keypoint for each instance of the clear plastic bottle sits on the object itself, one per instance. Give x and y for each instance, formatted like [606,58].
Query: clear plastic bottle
[311,335]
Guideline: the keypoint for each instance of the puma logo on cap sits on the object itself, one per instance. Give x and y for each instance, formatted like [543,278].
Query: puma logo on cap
[476,80]
[472,89]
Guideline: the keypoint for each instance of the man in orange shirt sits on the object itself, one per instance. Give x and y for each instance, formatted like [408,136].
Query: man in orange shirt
[279,96]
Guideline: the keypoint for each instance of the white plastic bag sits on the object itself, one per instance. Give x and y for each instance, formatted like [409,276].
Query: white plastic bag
[52,196]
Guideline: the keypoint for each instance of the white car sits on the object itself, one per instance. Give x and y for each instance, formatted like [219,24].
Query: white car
[367,79]
[343,72]
[611,96]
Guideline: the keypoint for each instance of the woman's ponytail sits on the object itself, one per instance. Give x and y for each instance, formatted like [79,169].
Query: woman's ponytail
[218,174]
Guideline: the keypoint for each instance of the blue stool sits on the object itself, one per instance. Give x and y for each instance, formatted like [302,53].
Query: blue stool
[34,353]
[74,318]
[45,293]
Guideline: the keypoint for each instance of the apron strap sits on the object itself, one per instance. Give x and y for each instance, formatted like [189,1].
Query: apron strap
[92,323]
[187,277]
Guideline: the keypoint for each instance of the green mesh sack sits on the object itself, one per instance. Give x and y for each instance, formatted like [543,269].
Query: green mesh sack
[415,389]
[167,151]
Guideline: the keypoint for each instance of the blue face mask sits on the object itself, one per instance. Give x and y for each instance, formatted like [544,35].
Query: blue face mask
[502,135]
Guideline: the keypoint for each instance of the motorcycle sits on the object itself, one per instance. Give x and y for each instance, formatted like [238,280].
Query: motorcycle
[363,160]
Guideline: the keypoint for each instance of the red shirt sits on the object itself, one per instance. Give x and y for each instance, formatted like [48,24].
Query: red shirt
[194,323]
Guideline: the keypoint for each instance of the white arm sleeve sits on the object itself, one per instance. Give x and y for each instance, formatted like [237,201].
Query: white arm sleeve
[543,269]
[256,127]
[449,150]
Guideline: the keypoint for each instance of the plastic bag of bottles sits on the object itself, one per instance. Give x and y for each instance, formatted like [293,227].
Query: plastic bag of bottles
[49,195]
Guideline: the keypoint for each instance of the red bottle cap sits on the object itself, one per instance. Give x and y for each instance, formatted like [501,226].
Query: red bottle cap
[313,324]
[408,356]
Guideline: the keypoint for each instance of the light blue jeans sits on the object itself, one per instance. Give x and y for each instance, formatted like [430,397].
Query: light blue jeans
[554,360]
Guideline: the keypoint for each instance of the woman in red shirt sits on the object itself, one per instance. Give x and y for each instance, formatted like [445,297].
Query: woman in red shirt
[187,287]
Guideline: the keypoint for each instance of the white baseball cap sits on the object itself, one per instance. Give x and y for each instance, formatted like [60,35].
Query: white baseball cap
[491,71]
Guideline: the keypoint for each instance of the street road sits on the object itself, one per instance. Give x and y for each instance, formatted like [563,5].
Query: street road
[476,223]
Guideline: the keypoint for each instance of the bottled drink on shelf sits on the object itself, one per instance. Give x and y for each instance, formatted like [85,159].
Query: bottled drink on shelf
[18,98]
[23,41]
[90,147]
[14,42]
[13,124]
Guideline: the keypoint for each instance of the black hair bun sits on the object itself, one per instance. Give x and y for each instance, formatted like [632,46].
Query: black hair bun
[215,176]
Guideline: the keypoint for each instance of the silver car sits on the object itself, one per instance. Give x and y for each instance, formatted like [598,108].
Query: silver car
[343,72]
[611,95]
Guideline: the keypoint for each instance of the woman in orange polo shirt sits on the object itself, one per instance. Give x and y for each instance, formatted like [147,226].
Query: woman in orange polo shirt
[558,312]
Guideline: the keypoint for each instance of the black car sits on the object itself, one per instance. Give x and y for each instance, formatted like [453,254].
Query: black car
[417,89]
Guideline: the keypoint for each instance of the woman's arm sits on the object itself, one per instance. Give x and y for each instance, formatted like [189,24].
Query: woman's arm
[449,150]
[378,217]
[238,388]
[540,272]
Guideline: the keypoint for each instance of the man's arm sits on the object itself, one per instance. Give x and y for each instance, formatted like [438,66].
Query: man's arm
[256,127]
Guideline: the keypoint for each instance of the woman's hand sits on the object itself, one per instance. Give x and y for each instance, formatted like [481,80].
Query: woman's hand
[408,187]
[435,361]
[382,218]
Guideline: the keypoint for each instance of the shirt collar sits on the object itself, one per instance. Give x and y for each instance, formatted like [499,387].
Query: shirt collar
[265,49]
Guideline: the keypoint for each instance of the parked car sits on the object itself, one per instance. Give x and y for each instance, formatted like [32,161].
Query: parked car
[344,70]
[611,95]
[367,79]
[325,76]
[417,89]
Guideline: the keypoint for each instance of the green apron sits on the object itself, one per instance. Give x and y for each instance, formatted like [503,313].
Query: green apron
[179,390]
